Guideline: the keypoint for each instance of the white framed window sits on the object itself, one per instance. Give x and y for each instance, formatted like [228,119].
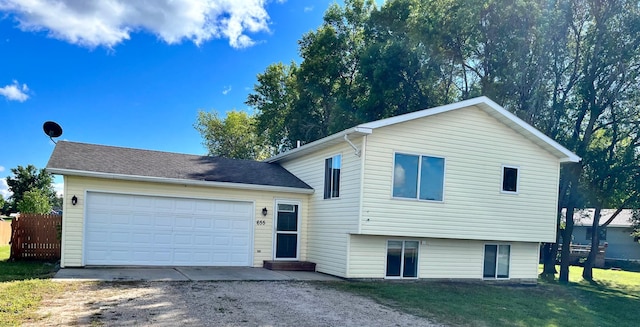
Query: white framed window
[510,179]
[496,261]
[402,259]
[332,168]
[418,177]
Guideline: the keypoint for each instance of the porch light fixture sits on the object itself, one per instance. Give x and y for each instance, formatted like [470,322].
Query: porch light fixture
[74,200]
[265,211]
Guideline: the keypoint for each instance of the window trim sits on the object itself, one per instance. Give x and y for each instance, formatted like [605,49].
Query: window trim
[386,254]
[328,194]
[502,190]
[484,254]
[417,198]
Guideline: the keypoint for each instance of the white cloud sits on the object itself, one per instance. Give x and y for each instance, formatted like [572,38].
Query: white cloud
[1,169]
[4,188]
[15,92]
[398,176]
[59,188]
[308,9]
[226,90]
[109,22]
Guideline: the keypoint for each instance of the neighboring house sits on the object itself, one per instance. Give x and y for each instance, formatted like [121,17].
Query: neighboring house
[617,235]
[462,191]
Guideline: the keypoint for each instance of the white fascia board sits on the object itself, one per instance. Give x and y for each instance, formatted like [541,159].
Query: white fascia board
[359,130]
[137,178]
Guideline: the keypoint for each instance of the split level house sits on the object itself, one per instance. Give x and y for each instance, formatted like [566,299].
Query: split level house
[462,191]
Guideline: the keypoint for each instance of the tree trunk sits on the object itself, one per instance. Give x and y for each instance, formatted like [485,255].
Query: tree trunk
[587,272]
[565,253]
[550,252]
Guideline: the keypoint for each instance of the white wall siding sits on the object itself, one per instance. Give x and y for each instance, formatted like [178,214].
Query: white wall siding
[73,219]
[475,146]
[440,258]
[331,220]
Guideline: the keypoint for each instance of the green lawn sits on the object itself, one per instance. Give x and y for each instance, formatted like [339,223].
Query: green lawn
[22,286]
[613,300]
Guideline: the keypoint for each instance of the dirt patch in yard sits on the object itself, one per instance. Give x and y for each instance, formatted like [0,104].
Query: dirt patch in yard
[215,304]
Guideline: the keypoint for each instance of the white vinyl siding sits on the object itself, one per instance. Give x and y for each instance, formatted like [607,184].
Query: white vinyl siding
[332,219]
[476,146]
[73,220]
[441,258]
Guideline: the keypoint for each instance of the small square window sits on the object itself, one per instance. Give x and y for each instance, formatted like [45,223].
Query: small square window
[510,176]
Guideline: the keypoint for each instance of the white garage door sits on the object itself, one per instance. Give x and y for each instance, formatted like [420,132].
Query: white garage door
[162,231]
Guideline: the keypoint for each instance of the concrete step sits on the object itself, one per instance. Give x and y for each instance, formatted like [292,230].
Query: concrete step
[289,265]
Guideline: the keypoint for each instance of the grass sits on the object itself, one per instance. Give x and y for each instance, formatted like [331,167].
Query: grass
[23,285]
[612,300]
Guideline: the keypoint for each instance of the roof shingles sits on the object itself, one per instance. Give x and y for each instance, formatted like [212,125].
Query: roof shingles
[83,157]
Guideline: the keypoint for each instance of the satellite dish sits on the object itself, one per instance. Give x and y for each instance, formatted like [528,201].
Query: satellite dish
[52,129]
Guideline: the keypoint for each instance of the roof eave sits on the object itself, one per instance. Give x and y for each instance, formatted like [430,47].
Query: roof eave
[137,178]
[358,130]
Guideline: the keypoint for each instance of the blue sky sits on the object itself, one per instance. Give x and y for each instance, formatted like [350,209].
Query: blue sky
[125,73]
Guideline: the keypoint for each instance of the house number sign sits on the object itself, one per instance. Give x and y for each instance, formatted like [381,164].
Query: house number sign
[261,222]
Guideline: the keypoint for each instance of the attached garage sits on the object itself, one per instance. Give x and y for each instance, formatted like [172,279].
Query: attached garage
[126,229]
[132,207]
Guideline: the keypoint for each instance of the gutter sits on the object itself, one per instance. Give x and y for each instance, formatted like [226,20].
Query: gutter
[317,143]
[177,181]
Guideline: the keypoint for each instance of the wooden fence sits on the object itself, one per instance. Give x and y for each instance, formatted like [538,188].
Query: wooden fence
[36,237]
[5,232]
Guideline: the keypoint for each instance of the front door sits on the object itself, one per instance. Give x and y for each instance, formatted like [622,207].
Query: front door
[287,234]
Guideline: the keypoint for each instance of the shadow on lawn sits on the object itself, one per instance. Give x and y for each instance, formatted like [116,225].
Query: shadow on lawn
[22,270]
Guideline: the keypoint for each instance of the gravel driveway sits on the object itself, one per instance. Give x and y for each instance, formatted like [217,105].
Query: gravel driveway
[282,303]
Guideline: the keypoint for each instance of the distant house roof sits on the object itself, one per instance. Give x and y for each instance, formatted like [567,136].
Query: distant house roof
[483,103]
[584,217]
[91,160]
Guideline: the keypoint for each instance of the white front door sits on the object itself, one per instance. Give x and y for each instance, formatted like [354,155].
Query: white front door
[124,229]
[287,230]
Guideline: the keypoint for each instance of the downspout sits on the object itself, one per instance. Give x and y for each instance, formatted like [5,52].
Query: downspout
[357,151]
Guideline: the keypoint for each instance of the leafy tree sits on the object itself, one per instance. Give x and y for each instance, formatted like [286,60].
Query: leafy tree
[57,203]
[24,179]
[232,137]
[35,201]
[2,202]
[273,98]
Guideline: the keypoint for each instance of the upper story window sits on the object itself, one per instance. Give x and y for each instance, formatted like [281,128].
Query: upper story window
[510,179]
[418,177]
[332,176]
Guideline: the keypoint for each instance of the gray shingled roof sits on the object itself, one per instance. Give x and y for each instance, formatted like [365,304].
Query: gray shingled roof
[82,157]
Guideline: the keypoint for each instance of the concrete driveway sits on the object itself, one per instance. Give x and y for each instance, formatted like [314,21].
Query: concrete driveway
[186,274]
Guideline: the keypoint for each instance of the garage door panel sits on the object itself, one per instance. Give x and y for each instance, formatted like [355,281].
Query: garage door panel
[147,230]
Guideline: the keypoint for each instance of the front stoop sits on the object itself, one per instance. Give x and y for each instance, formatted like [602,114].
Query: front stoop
[289,265]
